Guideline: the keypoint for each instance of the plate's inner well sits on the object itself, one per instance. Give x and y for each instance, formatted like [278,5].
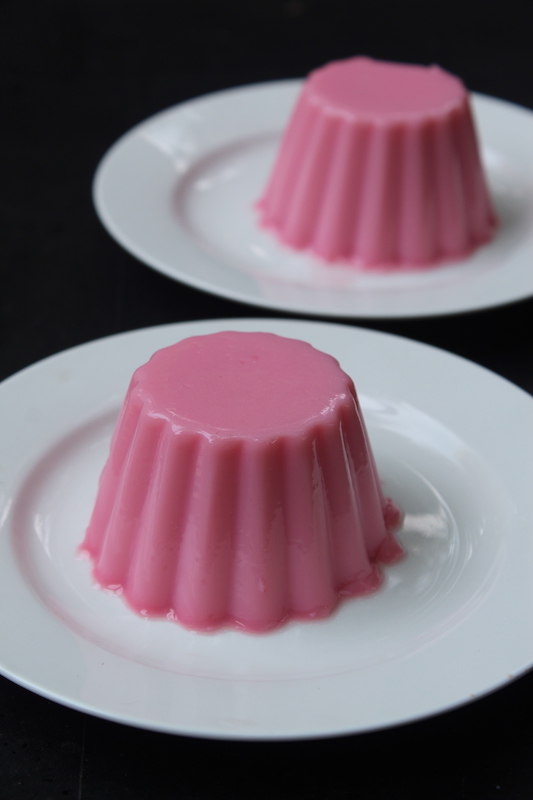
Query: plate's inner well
[454,549]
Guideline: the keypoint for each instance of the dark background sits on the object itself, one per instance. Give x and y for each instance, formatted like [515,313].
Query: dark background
[75,75]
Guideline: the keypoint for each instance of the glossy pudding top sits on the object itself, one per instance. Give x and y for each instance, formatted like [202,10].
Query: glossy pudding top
[242,384]
[384,91]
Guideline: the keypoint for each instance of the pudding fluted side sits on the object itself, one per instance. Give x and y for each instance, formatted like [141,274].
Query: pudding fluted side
[246,533]
[396,195]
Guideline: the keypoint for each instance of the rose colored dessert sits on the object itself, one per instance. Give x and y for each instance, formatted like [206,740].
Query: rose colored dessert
[240,488]
[379,166]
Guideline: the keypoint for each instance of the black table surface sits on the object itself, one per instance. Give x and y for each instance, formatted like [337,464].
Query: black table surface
[76,74]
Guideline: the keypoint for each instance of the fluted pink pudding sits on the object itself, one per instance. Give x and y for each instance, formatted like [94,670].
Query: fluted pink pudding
[379,167]
[240,488]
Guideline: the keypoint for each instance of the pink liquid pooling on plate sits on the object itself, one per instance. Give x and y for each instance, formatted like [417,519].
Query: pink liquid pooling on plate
[240,488]
[379,167]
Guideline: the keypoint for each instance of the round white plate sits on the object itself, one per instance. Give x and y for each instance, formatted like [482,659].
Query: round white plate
[453,621]
[178,192]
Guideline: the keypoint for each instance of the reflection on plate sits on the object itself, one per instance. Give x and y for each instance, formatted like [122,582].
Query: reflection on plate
[453,620]
[178,192]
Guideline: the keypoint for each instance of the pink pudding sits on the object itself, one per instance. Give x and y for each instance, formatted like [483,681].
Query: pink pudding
[379,168]
[240,488]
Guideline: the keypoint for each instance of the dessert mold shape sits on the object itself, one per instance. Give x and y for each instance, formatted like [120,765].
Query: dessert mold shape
[240,489]
[379,166]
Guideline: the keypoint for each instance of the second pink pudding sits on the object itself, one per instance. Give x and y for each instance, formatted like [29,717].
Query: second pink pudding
[240,488]
[379,167]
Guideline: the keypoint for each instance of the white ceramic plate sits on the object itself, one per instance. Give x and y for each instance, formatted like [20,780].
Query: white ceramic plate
[453,621]
[178,192]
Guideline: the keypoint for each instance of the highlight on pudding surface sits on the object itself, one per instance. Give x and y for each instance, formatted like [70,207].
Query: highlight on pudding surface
[379,167]
[240,488]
